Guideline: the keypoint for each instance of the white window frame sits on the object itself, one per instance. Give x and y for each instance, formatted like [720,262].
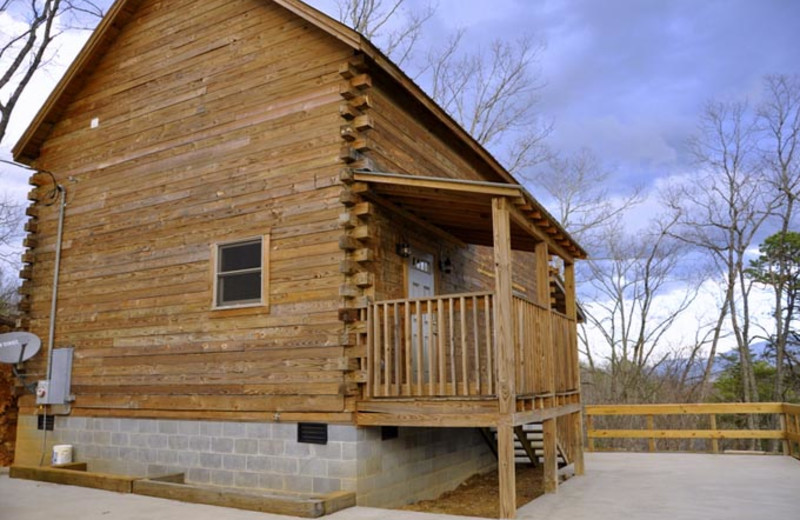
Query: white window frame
[264,269]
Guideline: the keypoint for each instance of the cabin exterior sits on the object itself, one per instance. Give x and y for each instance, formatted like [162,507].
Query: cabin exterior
[267,225]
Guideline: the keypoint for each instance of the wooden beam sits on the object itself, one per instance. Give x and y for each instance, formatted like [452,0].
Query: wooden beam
[525,223]
[687,434]
[425,225]
[713,424]
[577,447]
[507,481]
[72,477]
[503,306]
[684,409]
[437,420]
[311,507]
[550,449]
[493,189]
[544,414]
[522,437]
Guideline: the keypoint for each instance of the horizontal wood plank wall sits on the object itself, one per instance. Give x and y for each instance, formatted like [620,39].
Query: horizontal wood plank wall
[218,120]
[402,141]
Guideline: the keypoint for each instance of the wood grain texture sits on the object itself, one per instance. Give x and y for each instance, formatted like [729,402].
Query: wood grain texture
[213,125]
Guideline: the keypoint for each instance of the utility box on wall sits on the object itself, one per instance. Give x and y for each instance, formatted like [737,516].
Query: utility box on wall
[56,390]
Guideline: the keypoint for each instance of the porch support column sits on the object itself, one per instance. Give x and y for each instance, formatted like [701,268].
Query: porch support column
[572,313]
[549,430]
[504,329]
[549,440]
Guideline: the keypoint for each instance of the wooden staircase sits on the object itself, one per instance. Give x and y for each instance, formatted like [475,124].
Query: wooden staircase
[528,445]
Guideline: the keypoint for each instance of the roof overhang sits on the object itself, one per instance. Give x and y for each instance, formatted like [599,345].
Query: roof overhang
[462,210]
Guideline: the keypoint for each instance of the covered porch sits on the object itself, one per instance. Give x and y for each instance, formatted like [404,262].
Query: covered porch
[487,359]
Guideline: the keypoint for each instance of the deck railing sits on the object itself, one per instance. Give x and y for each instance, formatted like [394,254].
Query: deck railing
[791,422]
[446,347]
[432,347]
[689,427]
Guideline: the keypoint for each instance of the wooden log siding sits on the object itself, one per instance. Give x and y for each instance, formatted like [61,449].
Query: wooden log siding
[213,126]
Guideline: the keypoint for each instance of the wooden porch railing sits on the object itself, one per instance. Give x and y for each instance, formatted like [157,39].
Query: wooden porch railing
[446,347]
[432,347]
[788,418]
[544,367]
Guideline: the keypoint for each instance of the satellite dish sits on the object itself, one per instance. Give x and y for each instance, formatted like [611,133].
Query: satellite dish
[16,347]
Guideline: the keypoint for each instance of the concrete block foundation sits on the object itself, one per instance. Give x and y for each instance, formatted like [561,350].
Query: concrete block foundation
[420,463]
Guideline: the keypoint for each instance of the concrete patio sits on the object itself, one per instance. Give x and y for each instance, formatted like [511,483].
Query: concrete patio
[617,486]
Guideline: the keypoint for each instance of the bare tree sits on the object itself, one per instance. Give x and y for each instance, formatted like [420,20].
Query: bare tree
[491,92]
[638,292]
[578,186]
[779,121]
[10,232]
[720,212]
[380,21]
[25,50]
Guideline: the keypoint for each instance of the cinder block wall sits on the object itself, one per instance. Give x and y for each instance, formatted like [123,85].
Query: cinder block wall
[420,464]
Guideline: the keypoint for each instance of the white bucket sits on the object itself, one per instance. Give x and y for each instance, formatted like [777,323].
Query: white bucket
[62,454]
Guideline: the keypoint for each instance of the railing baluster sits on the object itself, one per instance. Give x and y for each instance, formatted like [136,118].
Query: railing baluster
[442,346]
[476,362]
[490,346]
[407,350]
[370,353]
[398,351]
[414,351]
[387,361]
[431,350]
[376,338]
[451,343]
[464,367]
[418,345]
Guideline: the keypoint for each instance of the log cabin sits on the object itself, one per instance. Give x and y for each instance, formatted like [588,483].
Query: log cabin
[280,265]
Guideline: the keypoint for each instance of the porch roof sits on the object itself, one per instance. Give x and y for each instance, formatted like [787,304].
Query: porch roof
[463,210]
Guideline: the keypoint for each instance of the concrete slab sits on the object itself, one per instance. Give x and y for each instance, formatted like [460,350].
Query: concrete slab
[644,486]
[617,486]
[30,500]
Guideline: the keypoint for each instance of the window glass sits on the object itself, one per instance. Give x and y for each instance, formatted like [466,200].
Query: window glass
[234,257]
[239,273]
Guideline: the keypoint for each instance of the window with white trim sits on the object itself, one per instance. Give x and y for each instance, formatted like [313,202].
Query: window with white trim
[240,274]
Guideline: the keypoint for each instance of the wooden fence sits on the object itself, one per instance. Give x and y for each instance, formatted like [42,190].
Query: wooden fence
[791,422]
[787,415]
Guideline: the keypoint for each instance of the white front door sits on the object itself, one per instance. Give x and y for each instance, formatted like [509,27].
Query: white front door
[420,275]
[421,284]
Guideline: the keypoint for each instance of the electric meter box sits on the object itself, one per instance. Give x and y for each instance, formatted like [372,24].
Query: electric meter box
[57,389]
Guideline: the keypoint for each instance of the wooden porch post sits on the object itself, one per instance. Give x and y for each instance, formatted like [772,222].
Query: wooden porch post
[504,327]
[572,313]
[549,430]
